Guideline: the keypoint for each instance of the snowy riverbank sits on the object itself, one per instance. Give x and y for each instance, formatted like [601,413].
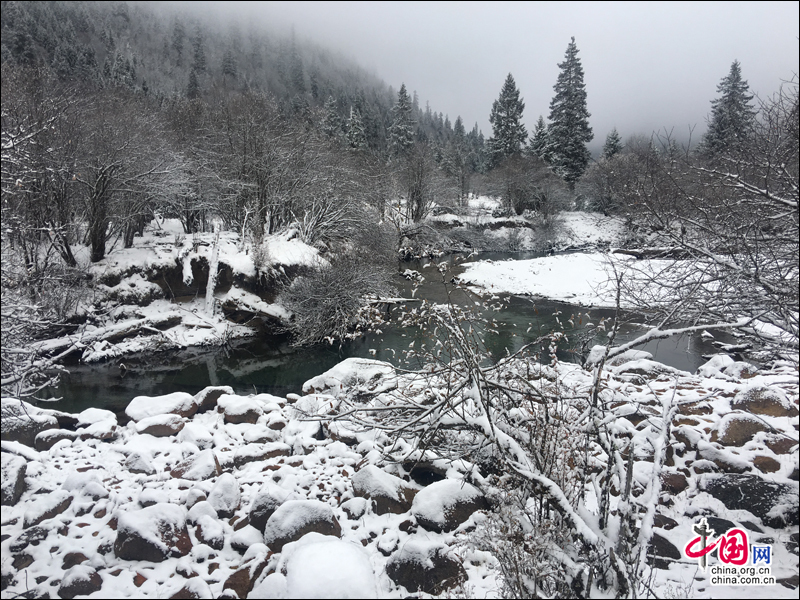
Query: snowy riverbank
[220,495]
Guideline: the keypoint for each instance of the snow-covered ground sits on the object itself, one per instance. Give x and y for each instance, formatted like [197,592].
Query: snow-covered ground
[216,494]
[129,312]
[585,279]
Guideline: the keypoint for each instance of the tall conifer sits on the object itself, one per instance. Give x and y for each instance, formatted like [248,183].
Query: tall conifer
[569,130]
[509,134]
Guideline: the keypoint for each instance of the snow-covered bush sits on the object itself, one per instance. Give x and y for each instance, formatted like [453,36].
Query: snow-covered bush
[536,436]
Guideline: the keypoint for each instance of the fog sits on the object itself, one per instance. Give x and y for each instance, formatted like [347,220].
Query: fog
[648,66]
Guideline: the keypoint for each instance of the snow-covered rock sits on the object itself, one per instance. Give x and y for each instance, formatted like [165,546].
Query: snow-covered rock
[152,534]
[13,478]
[225,497]
[320,566]
[198,467]
[295,518]
[444,505]
[161,425]
[357,375]
[425,565]
[176,403]
[390,494]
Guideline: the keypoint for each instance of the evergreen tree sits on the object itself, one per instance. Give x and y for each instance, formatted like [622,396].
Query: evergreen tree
[331,123]
[613,144]
[538,142]
[569,130]
[178,34]
[731,114]
[199,53]
[506,119]
[356,135]
[401,133]
[229,64]
[193,89]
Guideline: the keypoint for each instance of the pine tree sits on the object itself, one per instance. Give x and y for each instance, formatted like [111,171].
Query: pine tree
[229,64]
[331,123]
[193,89]
[356,136]
[569,130]
[613,144]
[401,133]
[731,114]
[506,119]
[538,142]
[199,53]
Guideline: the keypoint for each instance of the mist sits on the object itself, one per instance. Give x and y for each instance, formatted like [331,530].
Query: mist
[649,67]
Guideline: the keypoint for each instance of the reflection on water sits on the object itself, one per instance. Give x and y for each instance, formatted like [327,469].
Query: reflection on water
[271,365]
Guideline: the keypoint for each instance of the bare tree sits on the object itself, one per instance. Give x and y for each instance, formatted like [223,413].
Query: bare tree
[540,446]
[732,223]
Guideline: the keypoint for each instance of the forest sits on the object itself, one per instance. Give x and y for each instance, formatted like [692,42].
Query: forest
[150,156]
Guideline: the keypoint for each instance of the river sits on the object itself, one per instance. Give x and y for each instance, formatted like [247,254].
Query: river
[270,364]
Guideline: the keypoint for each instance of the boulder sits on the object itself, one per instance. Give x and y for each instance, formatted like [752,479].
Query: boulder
[425,565]
[161,425]
[198,467]
[195,587]
[80,580]
[153,534]
[139,463]
[258,452]
[444,505]
[295,518]
[12,469]
[210,532]
[357,376]
[736,429]
[766,464]
[776,504]
[50,437]
[320,566]
[662,552]
[390,494]
[177,403]
[263,507]
[206,399]
[22,421]
[225,496]
[242,580]
[237,409]
[764,400]
[741,370]
[47,507]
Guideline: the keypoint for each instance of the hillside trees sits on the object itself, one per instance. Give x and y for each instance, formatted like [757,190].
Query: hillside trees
[569,129]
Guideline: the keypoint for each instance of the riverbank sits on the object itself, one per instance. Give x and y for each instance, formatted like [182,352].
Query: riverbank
[225,495]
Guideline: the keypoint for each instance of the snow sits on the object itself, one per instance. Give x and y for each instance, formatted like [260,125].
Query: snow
[575,278]
[142,407]
[315,478]
[225,496]
[284,249]
[292,515]
[351,372]
[435,502]
[319,566]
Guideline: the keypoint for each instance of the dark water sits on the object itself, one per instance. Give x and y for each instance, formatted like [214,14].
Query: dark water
[271,365]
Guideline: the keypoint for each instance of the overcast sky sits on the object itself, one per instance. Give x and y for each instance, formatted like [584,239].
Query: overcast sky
[647,65]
